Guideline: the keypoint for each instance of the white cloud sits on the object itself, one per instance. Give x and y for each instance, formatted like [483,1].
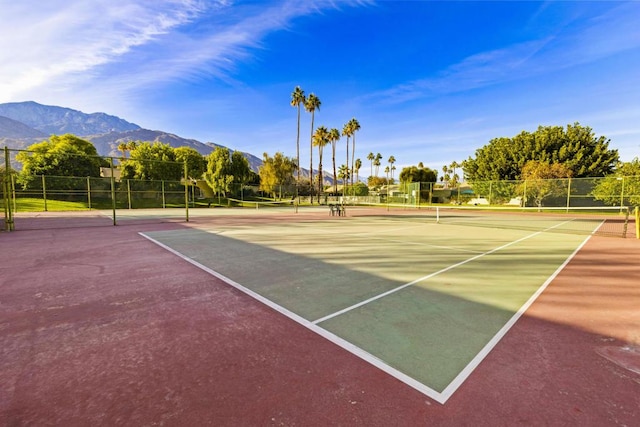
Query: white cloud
[111,49]
[43,44]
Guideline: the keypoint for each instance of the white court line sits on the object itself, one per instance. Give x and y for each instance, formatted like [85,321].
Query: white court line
[473,364]
[440,397]
[350,347]
[428,276]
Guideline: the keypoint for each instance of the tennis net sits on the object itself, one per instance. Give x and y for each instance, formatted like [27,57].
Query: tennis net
[604,221]
[262,204]
[601,220]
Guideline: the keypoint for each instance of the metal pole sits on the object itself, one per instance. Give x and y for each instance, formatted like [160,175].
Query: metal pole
[129,192]
[568,195]
[44,192]
[8,214]
[622,195]
[490,191]
[89,192]
[186,192]
[12,191]
[164,200]
[113,191]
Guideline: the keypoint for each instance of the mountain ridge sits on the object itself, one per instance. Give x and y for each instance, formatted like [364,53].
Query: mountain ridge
[25,123]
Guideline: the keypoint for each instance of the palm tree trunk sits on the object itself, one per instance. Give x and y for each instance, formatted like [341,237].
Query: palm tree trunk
[319,172]
[353,155]
[311,161]
[335,182]
[346,178]
[298,152]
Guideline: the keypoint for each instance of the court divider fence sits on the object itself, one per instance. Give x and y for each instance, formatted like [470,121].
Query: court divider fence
[108,191]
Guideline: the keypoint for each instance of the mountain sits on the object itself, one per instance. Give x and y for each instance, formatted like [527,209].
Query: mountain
[108,143]
[25,123]
[58,120]
[10,128]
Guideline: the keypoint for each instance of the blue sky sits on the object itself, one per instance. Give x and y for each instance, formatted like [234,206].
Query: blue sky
[429,81]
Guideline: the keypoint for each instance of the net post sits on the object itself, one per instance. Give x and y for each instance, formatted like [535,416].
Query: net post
[437,214]
[637,214]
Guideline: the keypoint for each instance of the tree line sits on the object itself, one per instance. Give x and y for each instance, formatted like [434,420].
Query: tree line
[550,152]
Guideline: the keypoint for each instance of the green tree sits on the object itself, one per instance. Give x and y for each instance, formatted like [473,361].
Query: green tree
[196,163]
[542,180]
[152,161]
[298,99]
[348,132]
[622,188]
[320,140]
[311,105]
[276,172]
[240,168]
[219,175]
[577,148]
[64,155]
[418,174]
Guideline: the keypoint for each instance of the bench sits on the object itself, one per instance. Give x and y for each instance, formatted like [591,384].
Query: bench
[337,210]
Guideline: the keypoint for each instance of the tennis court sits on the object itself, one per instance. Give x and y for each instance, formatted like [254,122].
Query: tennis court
[382,317]
[424,301]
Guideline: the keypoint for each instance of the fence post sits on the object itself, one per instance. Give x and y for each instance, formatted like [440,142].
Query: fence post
[568,195]
[129,192]
[622,194]
[89,192]
[524,194]
[12,191]
[44,192]
[186,192]
[8,179]
[113,191]
[637,213]
[490,191]
[164,200]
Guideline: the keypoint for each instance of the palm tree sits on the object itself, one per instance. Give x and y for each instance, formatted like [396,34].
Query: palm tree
[123,147]
[386,171]
[320,139]
[297,99]
[346,131]
[370,157]
[311,104]
[376,162]
[343,174]
[355,126]
[334,137]
[454,176]
[358,166]
[392,160]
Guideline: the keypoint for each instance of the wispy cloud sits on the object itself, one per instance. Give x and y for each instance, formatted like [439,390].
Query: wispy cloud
[112,47]
[599,37]
[51,40]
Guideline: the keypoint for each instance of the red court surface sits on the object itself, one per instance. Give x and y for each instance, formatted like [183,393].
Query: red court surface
[99,326]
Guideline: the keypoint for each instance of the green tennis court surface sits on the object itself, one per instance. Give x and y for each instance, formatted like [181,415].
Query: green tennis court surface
[423,301]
